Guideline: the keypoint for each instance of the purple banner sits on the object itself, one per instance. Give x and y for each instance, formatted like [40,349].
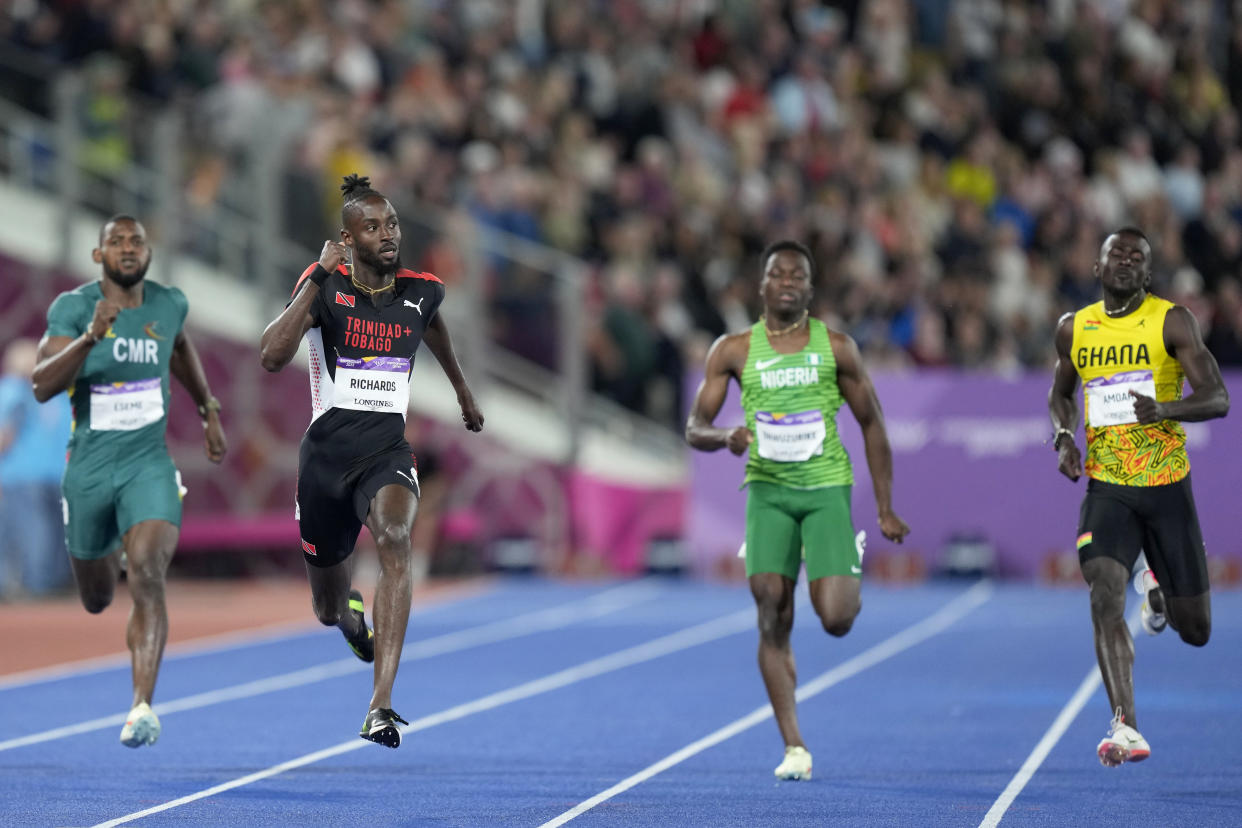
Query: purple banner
[374,363]
[972,458]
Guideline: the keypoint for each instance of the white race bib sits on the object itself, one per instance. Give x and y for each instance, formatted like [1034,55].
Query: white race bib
[790,438]
[1108,398]
[126,406]
[373,384]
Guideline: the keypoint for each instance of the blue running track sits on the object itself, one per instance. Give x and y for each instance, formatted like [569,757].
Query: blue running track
[639,704]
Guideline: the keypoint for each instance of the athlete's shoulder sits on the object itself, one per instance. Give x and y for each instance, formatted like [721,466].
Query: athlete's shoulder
[730,350]
[166,292]
[1161,305]
[405,273]
[76,300]
[310,268]
[89,292]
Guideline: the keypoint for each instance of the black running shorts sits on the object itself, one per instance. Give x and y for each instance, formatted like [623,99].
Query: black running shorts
[334,497]
[1118,521]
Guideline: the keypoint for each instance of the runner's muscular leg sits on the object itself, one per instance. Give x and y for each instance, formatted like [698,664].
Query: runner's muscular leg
[837,600]
[149,547]
[391,520]
[1114,648]
[774,602]
[330,594]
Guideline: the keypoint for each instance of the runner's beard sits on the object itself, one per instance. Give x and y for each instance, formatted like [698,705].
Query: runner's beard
[126,280]
[377,265]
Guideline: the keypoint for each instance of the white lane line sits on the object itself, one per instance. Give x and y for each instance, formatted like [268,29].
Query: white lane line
[708,631]
[207,644]
[1050,738]
[948,615]
[585,609]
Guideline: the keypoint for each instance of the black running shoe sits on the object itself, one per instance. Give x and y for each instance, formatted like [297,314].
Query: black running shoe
[363,644]
[380,726]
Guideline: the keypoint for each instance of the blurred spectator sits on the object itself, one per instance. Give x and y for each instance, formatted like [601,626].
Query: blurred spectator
[953,164]
[33,438]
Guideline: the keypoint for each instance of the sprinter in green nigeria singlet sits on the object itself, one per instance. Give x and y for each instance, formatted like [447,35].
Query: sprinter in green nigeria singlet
[794,374]
[112,345]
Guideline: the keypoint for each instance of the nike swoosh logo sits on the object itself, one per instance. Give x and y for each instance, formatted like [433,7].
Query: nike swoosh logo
[760,364]
[857,570]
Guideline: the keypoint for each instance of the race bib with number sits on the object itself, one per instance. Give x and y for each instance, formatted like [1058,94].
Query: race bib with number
[1108,398]
[126,406]
[790,438]
[375,384]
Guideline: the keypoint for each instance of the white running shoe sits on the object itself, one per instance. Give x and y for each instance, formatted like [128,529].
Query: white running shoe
[796,765]
[1122,744]
[142,727]
[1154,621]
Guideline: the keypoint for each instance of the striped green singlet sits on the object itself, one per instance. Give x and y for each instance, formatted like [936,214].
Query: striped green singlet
[791,403]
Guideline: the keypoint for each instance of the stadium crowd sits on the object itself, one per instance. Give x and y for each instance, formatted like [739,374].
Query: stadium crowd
[953,164]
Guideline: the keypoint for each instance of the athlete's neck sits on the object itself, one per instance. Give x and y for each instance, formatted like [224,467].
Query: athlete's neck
[368,278]
[778,324]
[126,297]
[1123,305]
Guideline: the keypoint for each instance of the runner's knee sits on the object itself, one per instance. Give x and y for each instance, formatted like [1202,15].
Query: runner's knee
[328,610]
[96,602]
[837,622]
[394,537]
[775,612]
[1195,632]
[1108,599]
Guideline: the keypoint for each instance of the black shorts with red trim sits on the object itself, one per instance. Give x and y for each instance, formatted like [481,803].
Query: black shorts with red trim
[334,496]
[1120,521]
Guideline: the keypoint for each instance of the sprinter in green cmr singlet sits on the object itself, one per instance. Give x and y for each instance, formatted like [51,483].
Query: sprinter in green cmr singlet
[794,374]
[112,346]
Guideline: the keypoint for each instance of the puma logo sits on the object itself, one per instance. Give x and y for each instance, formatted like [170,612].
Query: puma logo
[417,307]
[413,475]
[761,364]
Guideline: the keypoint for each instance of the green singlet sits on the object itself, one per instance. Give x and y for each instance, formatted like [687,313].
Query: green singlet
[791,403]
[119,472]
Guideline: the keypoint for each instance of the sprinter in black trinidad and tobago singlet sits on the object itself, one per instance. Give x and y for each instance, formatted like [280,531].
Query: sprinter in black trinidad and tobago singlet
[363,327]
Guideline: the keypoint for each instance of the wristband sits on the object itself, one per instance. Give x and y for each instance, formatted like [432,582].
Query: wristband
[212,404]
[319,275]
[1058,434]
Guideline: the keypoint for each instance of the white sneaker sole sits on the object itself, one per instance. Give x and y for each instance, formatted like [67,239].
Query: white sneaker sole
[1113,754]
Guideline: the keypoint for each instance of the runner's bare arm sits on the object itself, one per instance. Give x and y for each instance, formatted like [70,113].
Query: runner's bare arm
[282,337]
[441,346]
[1062,402]
[1209,398]
[61,357]
[188,369]
[726,359]
[859,394]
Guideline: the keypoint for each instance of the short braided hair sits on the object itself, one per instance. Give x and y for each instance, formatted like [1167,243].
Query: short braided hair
[356,188]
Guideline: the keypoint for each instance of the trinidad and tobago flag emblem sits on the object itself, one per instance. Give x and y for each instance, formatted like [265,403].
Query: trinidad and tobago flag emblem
[309,548]
[342,299]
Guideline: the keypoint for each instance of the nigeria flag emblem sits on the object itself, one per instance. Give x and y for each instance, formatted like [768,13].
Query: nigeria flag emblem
[812,359]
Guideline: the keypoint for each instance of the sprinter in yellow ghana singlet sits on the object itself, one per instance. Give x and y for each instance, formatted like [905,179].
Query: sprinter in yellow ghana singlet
[795,374]
[1132,351]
